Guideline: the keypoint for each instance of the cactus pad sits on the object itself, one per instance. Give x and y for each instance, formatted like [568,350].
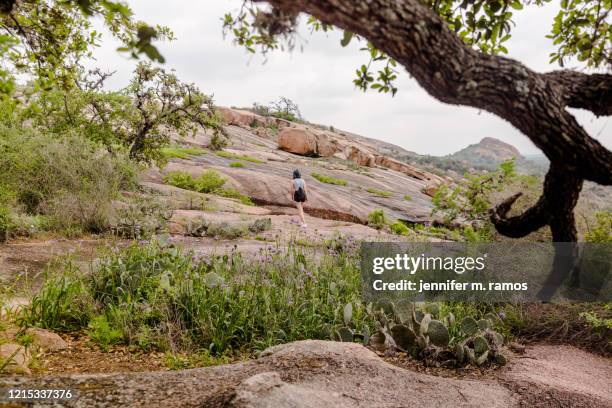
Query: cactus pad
[438,333]
[469,326]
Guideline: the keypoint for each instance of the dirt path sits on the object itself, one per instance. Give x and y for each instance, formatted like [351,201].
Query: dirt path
[325,374]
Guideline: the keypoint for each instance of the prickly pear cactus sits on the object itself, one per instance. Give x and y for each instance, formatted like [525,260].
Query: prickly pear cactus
[459,353]
[480,345]
[345,334]
[438,333]
[482,358]
[403,335]
[484,324]
[424,324]
[469,326]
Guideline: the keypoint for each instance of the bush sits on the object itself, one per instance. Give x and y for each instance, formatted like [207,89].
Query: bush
[102,333]
[180,179]
[329,180]
[380,193]
[376,219]
[225,230]
[68,178]
[399,228]
[141,217]
[208,182]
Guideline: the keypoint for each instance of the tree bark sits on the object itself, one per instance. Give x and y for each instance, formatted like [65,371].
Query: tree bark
[454,73]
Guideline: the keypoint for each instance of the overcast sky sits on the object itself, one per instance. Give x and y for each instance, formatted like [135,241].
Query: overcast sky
[319,79]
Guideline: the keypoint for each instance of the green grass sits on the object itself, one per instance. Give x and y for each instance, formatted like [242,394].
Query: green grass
[235,156]
[237,164]
[156,297]
[380,193]
[407,197]
[180,152]
[329,180]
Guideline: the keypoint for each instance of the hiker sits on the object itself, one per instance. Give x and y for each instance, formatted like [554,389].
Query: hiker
[298,193]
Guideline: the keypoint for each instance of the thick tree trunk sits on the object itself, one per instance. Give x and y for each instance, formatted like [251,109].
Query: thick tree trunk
[448,69]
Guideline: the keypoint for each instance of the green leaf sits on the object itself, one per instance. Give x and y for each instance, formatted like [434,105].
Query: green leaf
[346,39]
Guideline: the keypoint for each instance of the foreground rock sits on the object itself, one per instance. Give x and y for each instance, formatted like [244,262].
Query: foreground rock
[323,374]
[46,340]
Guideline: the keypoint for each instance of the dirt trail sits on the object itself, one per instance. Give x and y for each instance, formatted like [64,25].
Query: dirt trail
[324,374]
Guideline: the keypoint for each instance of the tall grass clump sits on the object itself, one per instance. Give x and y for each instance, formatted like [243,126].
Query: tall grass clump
[230,155]
[160,298]
[180,152]
[379,193]
[67,179]
[329,180]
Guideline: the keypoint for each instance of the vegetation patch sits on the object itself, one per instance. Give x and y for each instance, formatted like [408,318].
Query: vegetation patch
[234,156]
[407,197]
[328,179]
[379,193]
[226,230]
[237,164]
[180,152]
[160,298]
[63,184]
[208,182]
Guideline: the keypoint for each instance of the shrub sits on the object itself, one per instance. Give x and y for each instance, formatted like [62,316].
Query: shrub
[180,179]
[101,332]
[229,155]
[399,228]
[66,178]
[380,193]
[260,225]
[226,230]
[237,164]
[376,219]
[208,182]
[329,180]
[141,217]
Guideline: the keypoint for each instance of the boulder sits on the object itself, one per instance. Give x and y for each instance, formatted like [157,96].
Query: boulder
[242,118]
[360,156]
[19,358]
[299,141]
[405,168]
[47,340]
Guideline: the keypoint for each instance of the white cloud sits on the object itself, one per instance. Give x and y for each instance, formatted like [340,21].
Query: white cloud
[319,79]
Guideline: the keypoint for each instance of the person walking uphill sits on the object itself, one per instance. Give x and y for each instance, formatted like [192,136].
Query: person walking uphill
[298,194]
